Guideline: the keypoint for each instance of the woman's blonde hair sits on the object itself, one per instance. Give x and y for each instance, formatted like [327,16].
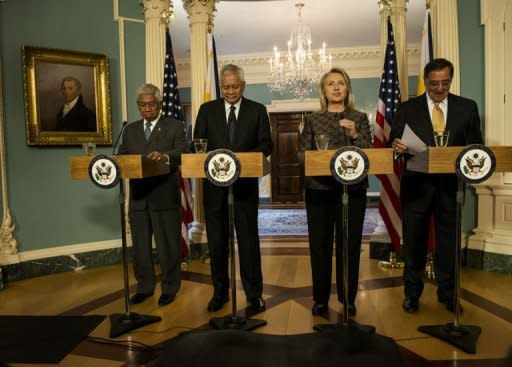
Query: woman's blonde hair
[349,99]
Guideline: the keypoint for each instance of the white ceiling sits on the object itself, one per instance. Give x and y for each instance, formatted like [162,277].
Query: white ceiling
[247,26]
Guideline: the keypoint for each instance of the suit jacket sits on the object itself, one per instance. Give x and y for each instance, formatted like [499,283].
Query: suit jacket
[328,123]
[168,136]
[463,123]
[79,118]
[252,134]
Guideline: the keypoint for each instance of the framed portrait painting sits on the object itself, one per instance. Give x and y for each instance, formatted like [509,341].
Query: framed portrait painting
[67,97]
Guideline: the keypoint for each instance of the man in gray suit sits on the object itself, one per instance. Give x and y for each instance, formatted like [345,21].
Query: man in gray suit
[155,207]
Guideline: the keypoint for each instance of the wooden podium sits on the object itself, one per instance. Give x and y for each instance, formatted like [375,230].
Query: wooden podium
[442,160]
[131,166]
[251,165]
[317,162]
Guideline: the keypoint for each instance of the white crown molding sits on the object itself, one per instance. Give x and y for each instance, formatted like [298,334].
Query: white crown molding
[359,62]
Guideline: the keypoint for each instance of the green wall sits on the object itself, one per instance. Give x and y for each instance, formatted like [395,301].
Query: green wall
[48,208]
[472,83]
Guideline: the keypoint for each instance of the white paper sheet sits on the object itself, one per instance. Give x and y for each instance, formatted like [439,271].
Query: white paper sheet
[414,144]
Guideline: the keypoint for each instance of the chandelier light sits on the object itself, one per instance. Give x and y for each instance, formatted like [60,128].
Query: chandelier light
[300,71]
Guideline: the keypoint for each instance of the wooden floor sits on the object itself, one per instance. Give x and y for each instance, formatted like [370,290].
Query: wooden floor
[486,296]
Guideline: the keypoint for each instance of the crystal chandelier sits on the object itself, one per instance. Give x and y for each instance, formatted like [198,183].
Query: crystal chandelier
[300,71]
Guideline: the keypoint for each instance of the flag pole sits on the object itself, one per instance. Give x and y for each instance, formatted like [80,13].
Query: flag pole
[389,98]
[171,107]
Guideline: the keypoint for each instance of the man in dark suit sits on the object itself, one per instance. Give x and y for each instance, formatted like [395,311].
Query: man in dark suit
[74,115]
[425,194]
[249,131]
[155,207]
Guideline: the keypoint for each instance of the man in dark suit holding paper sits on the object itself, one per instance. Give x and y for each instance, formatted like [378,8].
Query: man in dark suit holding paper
[424,194]
[155,202]
[241,125]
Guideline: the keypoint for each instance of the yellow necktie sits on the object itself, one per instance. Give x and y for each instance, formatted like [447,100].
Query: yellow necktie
[437,118]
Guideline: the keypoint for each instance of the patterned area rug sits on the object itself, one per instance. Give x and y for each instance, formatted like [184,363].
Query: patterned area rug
[292,222]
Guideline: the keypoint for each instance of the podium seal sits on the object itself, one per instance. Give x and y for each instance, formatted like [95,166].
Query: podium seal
[475,163]
[222,167]
[349,165]
[104,171]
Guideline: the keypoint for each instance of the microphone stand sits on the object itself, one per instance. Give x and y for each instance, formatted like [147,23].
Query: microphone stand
[121,323]
[461,336]
[345,322]
[233,321]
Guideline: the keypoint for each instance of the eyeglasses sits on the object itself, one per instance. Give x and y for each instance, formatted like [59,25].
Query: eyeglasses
[436,83]
[147,104]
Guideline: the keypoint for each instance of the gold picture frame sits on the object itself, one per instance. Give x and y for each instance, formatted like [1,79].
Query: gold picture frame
[67,97]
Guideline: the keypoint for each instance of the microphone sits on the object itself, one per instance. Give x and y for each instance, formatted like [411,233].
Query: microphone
[125,123]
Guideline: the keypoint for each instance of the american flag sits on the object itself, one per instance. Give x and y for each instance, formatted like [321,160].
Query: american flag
[389,98]
[171,106]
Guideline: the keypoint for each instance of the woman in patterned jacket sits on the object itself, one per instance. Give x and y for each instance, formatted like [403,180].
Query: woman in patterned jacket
[344,126]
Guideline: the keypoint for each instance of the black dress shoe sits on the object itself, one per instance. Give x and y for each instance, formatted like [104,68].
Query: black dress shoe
[165,299]
[352,310]
[258,304]
[217,302]
[139,297]
[410,305]
[319,308]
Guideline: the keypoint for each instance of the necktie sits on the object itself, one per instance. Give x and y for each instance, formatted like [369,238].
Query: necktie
[437,118]
[147,130]
[231,124]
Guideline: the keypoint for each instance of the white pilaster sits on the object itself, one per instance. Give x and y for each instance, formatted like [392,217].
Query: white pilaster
[8,244]
[155,39]
[494,231]
[445,32]
[200,15]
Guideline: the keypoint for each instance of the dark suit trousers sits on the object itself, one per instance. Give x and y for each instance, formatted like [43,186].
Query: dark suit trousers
[166,227]
[423,195]
[246,226]
[324,216]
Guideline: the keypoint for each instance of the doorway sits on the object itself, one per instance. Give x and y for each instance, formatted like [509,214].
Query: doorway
[286,172]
